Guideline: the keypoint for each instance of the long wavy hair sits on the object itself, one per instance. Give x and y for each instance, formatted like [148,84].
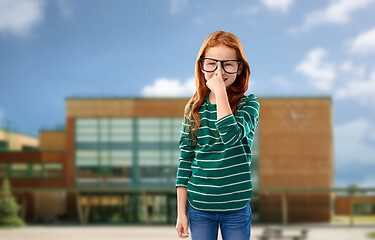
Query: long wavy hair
[235,91]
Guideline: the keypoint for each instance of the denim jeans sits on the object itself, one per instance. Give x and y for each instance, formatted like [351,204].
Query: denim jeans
[234,225]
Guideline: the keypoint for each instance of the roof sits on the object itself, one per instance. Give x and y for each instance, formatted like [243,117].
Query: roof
[180,98]
[14,132]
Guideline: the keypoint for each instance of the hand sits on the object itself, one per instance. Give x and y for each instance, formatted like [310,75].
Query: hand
[216,83]
[182,226]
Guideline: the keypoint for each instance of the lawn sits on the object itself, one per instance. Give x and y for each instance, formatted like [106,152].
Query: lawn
[345,219]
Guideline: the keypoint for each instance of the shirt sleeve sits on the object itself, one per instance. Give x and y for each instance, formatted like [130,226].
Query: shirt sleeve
[187,154]
[233,129]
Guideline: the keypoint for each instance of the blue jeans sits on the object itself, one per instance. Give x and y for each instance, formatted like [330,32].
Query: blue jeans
[234,225]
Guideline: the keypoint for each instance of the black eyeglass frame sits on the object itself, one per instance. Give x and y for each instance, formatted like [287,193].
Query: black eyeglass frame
[222,64]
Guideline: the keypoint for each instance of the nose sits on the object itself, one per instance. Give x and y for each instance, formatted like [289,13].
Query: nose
[220,68]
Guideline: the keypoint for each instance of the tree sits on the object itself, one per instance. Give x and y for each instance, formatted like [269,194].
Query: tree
[9,208]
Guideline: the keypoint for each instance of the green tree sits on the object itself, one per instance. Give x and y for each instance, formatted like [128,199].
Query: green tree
[9,208]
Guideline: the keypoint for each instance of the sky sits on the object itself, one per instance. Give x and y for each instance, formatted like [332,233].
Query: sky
[51,50]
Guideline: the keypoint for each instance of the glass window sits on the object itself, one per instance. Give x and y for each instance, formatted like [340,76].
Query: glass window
[121,158]
[150,172]
[87,162]
[122,138]
[116,182]
[149,158]
[86,154]
[19,170]
[120,131]
[149,136]
[362,208]
[105,170]
[53,170]
[88,182]
[86,122]
[3,170]
[122,154]
[87,131]
[122,122]
[4,145]
[26,148]
[87,138]
[88,171]
[104,137]
[37,170]
[149,122]
[120,171]
[168,171]
[105,156]
[103,122]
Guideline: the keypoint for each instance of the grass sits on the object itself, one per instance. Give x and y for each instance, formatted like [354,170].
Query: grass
[370,219]
[371,234]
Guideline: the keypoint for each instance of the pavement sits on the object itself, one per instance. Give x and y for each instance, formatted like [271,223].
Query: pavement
[155,232]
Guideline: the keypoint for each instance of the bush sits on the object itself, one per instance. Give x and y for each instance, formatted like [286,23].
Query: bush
[9,208]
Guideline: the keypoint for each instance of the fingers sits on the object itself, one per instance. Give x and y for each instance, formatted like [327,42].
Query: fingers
[179,230]
[219,71]
[208,84]
[186,232]
[182,231]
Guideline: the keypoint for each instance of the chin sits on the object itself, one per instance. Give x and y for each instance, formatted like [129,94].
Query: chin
[228,84]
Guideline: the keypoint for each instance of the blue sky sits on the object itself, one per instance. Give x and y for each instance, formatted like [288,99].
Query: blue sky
[51,50]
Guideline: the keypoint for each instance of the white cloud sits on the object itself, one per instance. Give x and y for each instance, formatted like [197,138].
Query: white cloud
[338,12]
[348,68]
[320,73]
[177,5]
[164,87]
[363,43]
[278,5]
[18,17]
[350,142]
[360,90]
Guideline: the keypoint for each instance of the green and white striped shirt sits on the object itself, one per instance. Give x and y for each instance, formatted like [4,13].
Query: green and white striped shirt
[216,171]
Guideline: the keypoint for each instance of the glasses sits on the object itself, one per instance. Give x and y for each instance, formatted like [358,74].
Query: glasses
[229,66]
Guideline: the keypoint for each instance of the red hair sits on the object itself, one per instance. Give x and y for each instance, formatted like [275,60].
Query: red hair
[235,91]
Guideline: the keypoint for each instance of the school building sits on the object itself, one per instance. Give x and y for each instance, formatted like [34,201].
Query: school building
[116,161]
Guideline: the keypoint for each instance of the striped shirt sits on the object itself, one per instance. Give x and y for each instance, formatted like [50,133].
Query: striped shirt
[216,170]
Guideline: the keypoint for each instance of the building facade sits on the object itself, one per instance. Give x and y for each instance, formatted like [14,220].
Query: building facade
[116,161]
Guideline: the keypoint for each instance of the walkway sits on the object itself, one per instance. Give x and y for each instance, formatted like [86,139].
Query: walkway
[164,232]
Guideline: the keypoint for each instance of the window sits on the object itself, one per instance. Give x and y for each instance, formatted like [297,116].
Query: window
[3,170]
[37,170]
[26,148]
[19,170]
[52,170]
[4,145]
[362,208]
[126,152]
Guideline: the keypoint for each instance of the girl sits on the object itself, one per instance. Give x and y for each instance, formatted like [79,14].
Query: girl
[215,144]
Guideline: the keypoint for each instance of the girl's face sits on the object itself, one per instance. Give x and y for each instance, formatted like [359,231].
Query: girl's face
[222,53]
